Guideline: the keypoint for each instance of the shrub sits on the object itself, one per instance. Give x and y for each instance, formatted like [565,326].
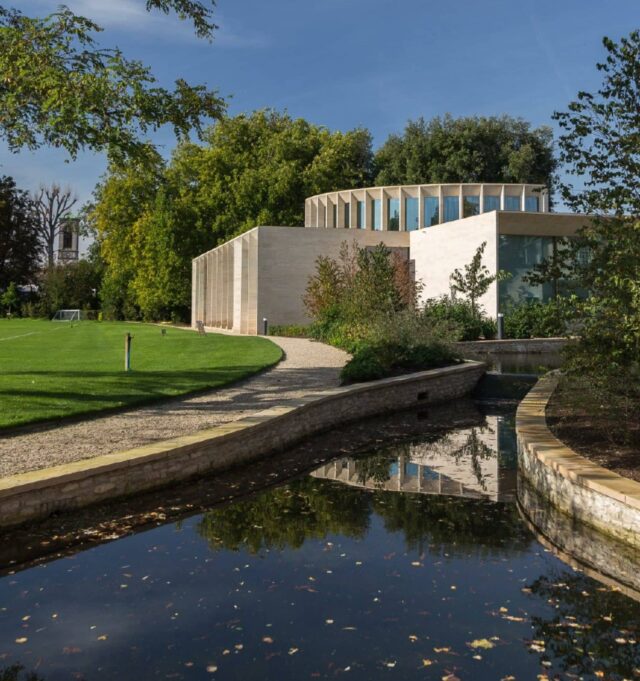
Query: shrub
[374,361]
[535,319]
[289,330]
[464,323]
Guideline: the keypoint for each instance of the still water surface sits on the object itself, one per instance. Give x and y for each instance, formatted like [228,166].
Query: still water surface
[403,558]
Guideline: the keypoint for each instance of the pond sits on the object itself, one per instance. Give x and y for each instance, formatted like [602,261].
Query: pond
[393,548]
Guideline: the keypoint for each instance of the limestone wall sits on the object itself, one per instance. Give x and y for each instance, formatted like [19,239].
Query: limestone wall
[588,493]
[29,496]
[440,249]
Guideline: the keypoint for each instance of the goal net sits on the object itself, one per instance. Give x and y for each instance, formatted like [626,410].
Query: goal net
[67,316]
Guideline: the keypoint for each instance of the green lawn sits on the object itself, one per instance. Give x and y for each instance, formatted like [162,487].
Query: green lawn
[50,370]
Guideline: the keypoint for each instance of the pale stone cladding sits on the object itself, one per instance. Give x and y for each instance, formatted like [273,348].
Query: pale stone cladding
[340,209]
[437,251]
[264,273]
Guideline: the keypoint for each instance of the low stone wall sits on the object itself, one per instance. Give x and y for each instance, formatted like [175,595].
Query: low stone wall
[29,496]
[601,557]
[516,346]
[589,493]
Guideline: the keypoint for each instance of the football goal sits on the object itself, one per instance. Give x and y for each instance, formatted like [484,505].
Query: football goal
[67,316]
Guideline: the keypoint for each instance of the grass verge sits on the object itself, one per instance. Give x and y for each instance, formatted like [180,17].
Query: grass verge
[54,370]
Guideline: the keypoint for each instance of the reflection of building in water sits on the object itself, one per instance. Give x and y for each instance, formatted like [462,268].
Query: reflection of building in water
[471,462]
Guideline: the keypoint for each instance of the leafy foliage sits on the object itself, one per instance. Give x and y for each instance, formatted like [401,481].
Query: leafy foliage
[600,145]
[366,302]
[474,149]
[476,279]
[60,89]
[71,285]
[19,240]
[153,218]
[535,319]
[458,317]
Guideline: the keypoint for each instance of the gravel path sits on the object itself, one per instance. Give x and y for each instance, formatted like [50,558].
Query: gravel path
[307,366]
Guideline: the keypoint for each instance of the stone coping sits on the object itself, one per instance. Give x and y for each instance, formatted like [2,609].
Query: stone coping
[611,503]
[30,495]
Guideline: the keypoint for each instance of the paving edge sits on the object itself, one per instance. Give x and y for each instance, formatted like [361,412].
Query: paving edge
[38,494]
[587,492]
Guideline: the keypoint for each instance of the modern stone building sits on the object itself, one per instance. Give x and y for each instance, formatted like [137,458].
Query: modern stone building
[263,273]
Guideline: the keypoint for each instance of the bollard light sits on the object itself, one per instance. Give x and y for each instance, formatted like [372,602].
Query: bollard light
[265,326]
[500,333]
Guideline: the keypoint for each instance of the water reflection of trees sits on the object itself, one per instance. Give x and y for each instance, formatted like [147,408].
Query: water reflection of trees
[311,508]
[595,630]
[15,673]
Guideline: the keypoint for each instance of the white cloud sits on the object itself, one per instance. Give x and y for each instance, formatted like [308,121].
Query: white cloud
[131,16]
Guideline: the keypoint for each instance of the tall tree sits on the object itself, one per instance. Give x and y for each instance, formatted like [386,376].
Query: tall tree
[59,88]
[19,240]
[600,146]
[473,149]
[53,205]
[254,169]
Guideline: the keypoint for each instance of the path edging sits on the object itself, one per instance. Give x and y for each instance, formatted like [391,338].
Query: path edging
[37,494]
[587,492]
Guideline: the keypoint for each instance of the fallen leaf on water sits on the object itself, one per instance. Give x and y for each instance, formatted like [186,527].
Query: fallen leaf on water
[293,651]
[441,650]
[212,668]
[102,637]
[426,662]
[22,639]
[413,638]
[267,639]
[484,643]
[391,665]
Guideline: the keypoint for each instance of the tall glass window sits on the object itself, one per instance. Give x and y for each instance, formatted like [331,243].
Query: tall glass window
[376,214]
[360,214]
[512,203]
[431,211]
[517,254]
[393,208]
[532,204]
[491,203]
[347,216]
[334,215]
[451,208]
[471,206]
[411,214]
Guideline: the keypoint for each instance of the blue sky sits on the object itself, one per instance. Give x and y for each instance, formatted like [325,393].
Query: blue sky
[347,63]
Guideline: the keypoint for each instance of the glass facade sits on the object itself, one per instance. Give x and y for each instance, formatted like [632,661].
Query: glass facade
[393,211]
[411,214]
[360,214]
[347,216]
[517,255]
[532,204]
[376,214]
[431,211]
[512,203]
[334,215]
[451,208]
[491,203]
[471,205]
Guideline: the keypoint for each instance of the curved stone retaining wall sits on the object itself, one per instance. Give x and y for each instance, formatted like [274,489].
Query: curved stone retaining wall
[29,496]
[587,492]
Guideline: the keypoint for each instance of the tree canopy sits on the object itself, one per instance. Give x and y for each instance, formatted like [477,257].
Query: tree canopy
[471,149]
[19,241]
[600,145]
[252,170]
[59,88]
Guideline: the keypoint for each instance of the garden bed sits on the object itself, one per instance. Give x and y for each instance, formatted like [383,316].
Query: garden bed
[608,437]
